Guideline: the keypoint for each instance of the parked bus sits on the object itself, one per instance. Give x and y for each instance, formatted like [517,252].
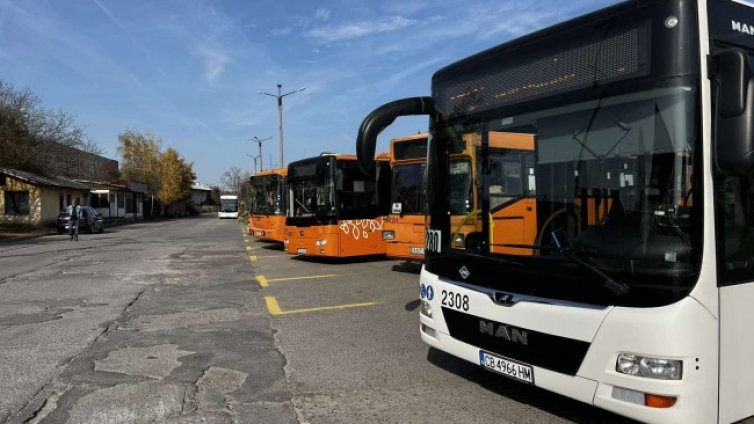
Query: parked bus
[269,205]
[228,206]
[511,158]
[403,230]
[336,211]
[636,294]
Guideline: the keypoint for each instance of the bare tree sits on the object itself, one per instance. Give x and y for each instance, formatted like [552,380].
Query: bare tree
[233,179]
[27,129]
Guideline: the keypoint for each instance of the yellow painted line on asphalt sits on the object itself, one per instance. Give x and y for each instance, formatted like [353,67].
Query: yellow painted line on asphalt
[274,308]
[262,281]
[253,258]
[308,277]
[272,256]
[249,248]
[265,282]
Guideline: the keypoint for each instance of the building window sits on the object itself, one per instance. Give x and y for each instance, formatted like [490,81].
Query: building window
[2,179]
[16,202]
[130,203]
[100,200]
[62,203]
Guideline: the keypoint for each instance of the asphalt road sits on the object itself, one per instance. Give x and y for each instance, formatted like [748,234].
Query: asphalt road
[190,321]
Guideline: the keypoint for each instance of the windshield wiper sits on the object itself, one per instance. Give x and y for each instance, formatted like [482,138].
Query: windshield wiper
[616,287]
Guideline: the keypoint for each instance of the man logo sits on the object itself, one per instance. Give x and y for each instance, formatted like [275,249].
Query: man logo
[502,299]
[511,334]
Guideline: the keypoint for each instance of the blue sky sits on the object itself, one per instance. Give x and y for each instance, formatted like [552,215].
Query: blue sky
[190,71]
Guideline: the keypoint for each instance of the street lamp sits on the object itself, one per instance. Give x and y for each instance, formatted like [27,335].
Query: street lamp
[254,158]
[259,142]
[280,114]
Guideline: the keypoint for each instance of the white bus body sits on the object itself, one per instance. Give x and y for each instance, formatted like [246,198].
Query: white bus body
[228,206]
[636,293]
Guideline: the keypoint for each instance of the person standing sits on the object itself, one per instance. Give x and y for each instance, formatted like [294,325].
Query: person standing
[74,214]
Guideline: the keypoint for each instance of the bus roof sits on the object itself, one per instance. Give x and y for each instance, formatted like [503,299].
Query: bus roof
[275,171]
[409,155]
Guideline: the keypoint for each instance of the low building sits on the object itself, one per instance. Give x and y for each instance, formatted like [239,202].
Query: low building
[118,200]
[27,198]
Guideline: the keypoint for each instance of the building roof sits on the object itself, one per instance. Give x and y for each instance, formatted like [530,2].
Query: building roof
[45,181]
[201,186]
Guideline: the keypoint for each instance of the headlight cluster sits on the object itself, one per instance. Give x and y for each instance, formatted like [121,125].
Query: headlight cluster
[388,235]
[642,366]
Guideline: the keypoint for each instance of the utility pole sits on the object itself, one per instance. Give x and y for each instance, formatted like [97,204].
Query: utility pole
[259,142]
[254,158]
[279,97]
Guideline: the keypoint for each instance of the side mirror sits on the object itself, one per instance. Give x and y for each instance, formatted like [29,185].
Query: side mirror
[734,139]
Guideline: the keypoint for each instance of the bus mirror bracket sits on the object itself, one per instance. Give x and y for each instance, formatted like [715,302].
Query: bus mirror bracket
[381,118]
[734,111]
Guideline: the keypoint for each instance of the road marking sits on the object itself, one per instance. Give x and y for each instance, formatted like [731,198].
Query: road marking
[274,308]
[253,258]
[249,248]
[262,281]
[308,277]
[265,282]
[272,256]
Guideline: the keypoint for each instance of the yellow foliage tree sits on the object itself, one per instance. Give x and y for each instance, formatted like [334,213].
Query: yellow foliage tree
[176,176]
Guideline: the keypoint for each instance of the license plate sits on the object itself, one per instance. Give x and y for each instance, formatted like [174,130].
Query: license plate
[506,367]
[416,250]
[301,251]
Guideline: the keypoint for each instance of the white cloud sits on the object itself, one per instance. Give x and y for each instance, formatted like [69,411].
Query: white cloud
[359,29]
[214,62]
[281,31]
[322,14]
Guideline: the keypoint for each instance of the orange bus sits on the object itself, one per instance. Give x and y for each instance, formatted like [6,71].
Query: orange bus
[513,220]
[336,211]
[403,230]
[513,212]
[269,205]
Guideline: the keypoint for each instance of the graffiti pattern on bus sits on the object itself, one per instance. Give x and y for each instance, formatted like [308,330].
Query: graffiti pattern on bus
[360,228]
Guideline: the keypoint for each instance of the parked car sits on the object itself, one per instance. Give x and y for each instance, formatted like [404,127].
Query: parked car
[91,221]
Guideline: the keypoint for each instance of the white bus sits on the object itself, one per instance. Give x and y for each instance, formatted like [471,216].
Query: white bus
[228,206]
[636,293]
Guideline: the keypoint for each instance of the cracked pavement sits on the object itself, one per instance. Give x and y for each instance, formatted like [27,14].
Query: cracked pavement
[144,323]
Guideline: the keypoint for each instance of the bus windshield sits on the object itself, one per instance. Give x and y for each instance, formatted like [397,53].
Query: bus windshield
[229,204]
[612,180]
[408,188]
[312,189]
[267,195]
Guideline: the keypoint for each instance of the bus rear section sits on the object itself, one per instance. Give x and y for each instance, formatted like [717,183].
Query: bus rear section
[403,229]
[336,211]
[228,206]
[269,205]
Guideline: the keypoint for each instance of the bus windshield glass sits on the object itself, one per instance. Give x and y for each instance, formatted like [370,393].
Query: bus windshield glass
[229,204]
[312,188]
[267,195]
[408,188]
[611,181]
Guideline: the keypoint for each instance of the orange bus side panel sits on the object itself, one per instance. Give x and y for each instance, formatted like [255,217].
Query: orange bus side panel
[409,237]
[267,227]
[349,238]
[514,224]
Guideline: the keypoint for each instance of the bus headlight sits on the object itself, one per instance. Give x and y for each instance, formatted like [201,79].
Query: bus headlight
[458,240]
[321,243]
[426,308]
[388,235]
[642,366]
